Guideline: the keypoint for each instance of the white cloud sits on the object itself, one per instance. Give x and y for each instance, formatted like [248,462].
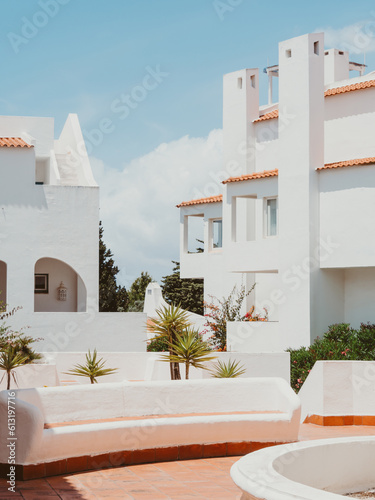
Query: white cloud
[138,203]
[356,38]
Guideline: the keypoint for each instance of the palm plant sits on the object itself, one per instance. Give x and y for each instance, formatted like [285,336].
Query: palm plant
[92,369]
[10,359]
[171,321]
[189,349]
[229,369]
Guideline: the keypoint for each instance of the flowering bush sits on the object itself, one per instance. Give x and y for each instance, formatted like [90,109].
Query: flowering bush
[340,342]
[218,312]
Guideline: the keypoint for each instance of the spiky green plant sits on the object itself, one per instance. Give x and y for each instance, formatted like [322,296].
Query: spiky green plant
[171,321]
[189,349]
[10,359]
[229,369]
[93,368]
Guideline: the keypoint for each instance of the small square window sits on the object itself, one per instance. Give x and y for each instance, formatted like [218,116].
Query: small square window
[41,283]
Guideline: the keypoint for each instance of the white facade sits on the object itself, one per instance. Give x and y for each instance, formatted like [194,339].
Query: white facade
[49,221]
[298,200]
[49,241]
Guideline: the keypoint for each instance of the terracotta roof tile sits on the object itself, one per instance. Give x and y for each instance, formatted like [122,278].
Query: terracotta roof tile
[202,201]
[13,142]
[268,116]
[338,90]
[348,163]
[350,88]
[256,175]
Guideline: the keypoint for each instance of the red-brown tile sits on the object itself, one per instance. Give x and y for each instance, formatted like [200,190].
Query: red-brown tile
[166,454]
[116,459]
[98,462]
[190,451]
[214,450]
[76,464]
[348,420]
[128,457]
[143,456]
[333,420]
[260,446]
[55,468]
[237,449]
[357,420]
[368,420]
[33,471]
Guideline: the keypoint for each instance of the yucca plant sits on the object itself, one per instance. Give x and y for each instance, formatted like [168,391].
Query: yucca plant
[189,349]
[10,359]
[229,369]
[171,321]
[93,368]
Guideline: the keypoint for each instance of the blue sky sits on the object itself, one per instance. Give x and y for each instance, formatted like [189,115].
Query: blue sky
[88,55]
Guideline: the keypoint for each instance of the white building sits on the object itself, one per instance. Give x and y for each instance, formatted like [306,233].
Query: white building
[296,214]
[49,238]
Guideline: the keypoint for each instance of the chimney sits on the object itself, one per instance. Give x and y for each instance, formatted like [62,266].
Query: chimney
[336,66]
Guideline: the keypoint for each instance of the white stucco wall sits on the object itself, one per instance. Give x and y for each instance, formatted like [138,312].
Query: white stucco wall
[336,388]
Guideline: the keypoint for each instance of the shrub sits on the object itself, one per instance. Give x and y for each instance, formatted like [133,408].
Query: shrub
[158,344]
[340,342]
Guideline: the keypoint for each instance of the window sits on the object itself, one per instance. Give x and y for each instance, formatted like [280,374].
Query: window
[316,48]
[41,283]
[217,233]
[252,81]
[271,217]
[288,53]
[239,83]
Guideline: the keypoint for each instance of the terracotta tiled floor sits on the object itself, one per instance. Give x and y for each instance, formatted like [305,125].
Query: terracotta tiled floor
[183,480]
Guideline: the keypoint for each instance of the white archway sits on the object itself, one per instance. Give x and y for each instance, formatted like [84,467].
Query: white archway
[49,274]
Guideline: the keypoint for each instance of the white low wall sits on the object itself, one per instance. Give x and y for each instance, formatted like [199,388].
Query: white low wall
[139,366]
[335,388]
[314,470]
[35,407]
[255,336]
[69,332]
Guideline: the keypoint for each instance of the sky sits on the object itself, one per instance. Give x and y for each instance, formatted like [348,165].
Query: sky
[145,78]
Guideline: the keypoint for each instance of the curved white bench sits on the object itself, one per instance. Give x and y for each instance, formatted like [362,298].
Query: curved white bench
[59,423]
[314,470]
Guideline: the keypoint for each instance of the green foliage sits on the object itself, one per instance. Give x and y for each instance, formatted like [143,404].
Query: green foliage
[112,297]
[171,322]
[340,342]
[229,369]
[137,292]
[158,344]
[189,348]
[15,347]
[186,292]
[9,360]
[93,368]
[218,312]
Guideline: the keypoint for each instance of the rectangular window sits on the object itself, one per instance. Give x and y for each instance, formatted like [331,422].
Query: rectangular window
[41,283]
[217,233]
[271,217]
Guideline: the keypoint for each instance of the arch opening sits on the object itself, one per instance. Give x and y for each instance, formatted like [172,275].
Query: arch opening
[58,287]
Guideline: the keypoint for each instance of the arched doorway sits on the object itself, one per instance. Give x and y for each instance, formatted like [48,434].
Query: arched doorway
[49,295]
[3,285]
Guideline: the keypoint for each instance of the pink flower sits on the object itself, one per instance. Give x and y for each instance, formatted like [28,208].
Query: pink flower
[299,381]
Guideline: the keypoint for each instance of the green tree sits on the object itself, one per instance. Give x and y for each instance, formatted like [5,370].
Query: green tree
[186,292]
[189,349]
[137,292]
[112,297]
[171,322]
